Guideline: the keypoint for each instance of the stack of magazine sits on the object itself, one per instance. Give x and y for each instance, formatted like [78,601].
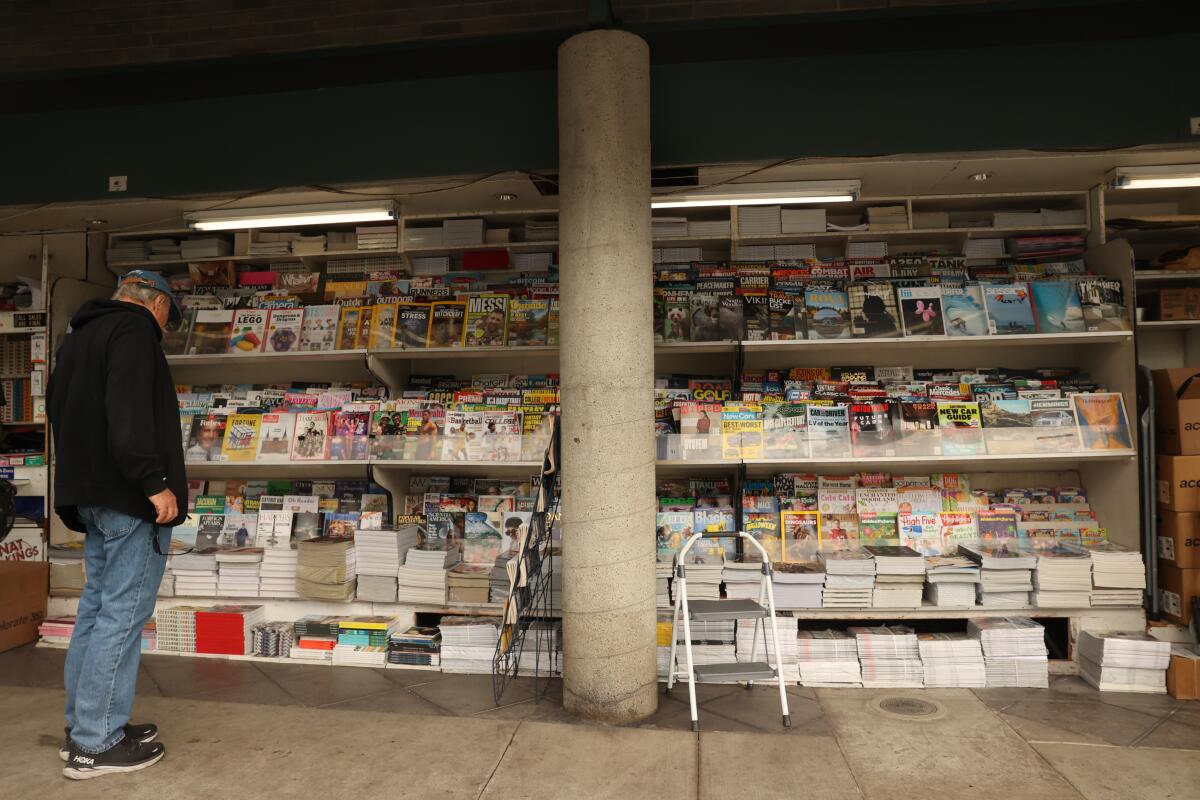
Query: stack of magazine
[1014,651]
[849,578]
[828,658]
[952,660]
[889,656]
[1124,661]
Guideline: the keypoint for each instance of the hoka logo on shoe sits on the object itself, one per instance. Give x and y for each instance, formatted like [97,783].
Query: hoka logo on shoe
[84,760]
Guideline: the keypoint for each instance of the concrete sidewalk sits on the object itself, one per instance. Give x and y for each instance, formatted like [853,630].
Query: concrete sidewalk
[960,748]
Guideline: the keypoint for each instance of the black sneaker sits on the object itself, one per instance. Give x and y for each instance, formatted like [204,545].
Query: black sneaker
[142,734]
[124,756]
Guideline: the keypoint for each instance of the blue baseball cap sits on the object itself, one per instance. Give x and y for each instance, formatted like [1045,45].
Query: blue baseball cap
[157,282]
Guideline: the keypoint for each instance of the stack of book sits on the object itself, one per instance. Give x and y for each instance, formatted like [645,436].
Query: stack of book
[1006,574]
[662,583]
[376,237]
[950,581]
[759,221]
[308,245]
[227,629]
[416,647]
[1014,651]
[1124,661]
[743,579]
[468,583]
[666,227]
[984,248]
[195,574]
[867,250]
[315,637]
[541,229]
[463,232]
[828,658]
[376,589]
[1063,577]
[704,581]
[272,639]
[532,262]
[422,579]
[270,243]
[237,574]
[802,220]
[125,250]
[167,250]
[325,569]
[277,575]
[797,584]
[849,578]
[203,247]
[1118,575]
[899,576]
[889,657]
[176,629]
[711,227]
[468,643]
[752,648]
[363,641]
[57,630]
[952,660]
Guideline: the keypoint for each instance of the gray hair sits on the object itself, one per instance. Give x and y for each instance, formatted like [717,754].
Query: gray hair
[135,291]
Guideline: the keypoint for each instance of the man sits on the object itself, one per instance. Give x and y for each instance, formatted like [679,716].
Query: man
[119,474]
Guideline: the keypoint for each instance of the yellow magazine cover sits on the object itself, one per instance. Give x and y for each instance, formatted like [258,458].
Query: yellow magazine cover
[347,332]
[363,336]
[741,431]
[241,437]
[446,328]
[383,327]
[801,531]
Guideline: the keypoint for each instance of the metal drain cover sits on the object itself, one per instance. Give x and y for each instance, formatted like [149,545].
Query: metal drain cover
[913,708]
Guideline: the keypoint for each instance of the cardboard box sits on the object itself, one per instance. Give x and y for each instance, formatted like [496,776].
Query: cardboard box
[1177,410]
[1183,675]
[1178,303]
[1178,483]
[23,589]
[1176,588]
[1179,538]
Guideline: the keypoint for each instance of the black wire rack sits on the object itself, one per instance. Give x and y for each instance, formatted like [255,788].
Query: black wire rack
[529,632]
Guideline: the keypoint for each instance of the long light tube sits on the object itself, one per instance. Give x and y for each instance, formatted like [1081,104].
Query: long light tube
[1159,177]
[764,194]
[286,216]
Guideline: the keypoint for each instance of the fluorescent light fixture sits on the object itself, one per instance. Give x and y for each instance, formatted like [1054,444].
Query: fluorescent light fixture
[763,194]
[1163,177]
[286,216]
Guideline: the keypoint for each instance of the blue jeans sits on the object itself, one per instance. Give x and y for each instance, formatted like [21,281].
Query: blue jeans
[123,574]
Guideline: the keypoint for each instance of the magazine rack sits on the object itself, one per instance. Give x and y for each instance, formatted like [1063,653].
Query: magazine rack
[525,627]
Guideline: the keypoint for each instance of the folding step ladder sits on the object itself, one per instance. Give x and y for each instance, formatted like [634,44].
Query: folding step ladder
[723,610]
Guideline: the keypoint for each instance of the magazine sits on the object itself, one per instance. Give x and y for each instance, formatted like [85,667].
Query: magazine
[447,324]
[1056,307]
[412,325]
[963,310]
[1009,309]
[319,329]
[486,318]
[921,310]
[827,313]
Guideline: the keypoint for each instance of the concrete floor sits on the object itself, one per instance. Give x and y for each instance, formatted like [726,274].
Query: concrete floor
[279,730]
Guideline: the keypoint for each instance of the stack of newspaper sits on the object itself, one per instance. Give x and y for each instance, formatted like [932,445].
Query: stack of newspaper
[667,227]
[703,581]
[277,574]
[828,658]
[325,569]
[797,584]
[952,660]
[1118,575]
[759,221]
[422,579]
[1006,575]
[743,579]
[950,581]
[1063,578]
[750,647]
[849,578]
[1124,661]
[237,574]
[463,233]
[899,576]
[1014,651]
[889,657]
[468,643]
[376,237]
[662,587]
[195,574]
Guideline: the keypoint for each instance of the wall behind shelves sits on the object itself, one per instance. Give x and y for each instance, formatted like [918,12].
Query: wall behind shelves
[716,99]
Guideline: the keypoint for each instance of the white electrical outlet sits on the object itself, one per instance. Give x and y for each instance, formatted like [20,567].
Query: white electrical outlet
[118,183]
[1195,126]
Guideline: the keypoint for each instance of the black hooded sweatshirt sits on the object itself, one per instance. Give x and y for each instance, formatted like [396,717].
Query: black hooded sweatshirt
[114,415]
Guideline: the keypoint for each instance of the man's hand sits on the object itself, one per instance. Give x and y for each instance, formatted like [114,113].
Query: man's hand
[165,505]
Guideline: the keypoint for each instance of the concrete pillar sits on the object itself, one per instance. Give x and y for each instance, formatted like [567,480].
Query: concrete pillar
[607,372]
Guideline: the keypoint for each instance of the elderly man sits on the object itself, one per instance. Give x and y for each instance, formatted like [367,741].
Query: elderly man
[118,479]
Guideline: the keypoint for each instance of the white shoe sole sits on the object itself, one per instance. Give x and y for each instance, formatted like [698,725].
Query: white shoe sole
[65,754]
[96,772]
